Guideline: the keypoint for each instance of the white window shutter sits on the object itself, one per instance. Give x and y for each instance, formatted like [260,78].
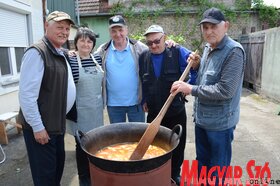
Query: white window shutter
[13,29]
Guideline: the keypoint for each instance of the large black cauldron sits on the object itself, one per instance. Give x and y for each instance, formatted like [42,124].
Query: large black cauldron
[104,136]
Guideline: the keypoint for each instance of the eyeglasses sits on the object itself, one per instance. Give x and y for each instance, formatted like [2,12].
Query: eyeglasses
[156,41]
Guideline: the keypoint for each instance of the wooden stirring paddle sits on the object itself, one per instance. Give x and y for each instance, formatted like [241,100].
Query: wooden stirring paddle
[153,127]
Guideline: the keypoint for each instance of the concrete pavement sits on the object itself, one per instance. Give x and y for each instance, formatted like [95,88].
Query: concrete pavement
[256,138]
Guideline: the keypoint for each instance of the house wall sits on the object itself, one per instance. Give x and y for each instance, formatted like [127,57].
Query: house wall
[67,6]
[37,24]
[33,12]
[270,86]
[271,66]
[184,25]
[99,25]
[226,2]
[9,102]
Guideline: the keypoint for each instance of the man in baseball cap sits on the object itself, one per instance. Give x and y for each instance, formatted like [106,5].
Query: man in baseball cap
[120,62]
[46,99]
[59,16]
[216,95]
[212,15]
[158,68]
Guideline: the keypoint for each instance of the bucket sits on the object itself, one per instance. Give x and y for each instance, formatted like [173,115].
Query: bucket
[154,171]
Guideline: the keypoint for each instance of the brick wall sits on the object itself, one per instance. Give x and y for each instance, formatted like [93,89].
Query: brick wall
[187,24]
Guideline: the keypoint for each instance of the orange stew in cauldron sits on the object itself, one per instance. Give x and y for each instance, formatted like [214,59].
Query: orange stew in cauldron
[122,152]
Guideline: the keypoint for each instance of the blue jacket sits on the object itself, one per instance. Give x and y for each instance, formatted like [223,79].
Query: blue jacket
[218,86]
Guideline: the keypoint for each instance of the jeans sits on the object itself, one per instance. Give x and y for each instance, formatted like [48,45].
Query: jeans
[46,161]
[118,114]
[213,148]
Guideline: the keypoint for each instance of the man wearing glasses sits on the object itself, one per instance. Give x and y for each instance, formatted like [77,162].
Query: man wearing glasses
[159,67]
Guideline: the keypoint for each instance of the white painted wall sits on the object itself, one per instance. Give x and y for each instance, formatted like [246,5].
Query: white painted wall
[270,85]
[33,11]
[37,21]
[9,102]
[275,3]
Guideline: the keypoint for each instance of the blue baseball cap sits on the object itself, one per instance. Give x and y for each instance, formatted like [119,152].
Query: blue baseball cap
[212,15]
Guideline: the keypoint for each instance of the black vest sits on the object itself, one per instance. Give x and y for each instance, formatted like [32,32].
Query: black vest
[52,98]
[156,90]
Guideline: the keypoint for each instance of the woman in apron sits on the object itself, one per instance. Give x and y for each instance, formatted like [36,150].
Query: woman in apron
[87,113]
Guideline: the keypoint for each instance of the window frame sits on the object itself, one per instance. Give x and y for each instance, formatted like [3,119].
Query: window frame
[13,77]
[9,82]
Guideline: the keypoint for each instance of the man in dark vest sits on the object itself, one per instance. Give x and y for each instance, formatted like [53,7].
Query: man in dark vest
[46,93]
[159,67]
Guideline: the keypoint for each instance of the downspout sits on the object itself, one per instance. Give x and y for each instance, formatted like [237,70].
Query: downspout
[44,7]
[78,12]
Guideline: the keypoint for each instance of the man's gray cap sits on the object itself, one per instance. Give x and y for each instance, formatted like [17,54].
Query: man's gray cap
[154,29]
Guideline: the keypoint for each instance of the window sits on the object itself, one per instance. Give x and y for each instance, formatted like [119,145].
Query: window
[13,41]
[5,61]
[19,54]
[14,38]
[10,62]
[19,27]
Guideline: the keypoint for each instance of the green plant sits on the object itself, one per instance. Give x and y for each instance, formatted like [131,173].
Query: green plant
[138,36]
[117,8]
[151,10]
[268,14]
[180,39]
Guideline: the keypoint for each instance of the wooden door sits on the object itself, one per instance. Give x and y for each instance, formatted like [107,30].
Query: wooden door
[253,46]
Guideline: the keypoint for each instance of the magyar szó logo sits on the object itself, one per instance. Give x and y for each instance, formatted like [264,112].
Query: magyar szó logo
[227,175]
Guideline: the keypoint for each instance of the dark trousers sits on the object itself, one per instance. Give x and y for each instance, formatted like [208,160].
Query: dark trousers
[46,161]
[82,165]
[178,153]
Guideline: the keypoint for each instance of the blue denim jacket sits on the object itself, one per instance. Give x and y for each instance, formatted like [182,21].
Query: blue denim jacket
[218,86]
